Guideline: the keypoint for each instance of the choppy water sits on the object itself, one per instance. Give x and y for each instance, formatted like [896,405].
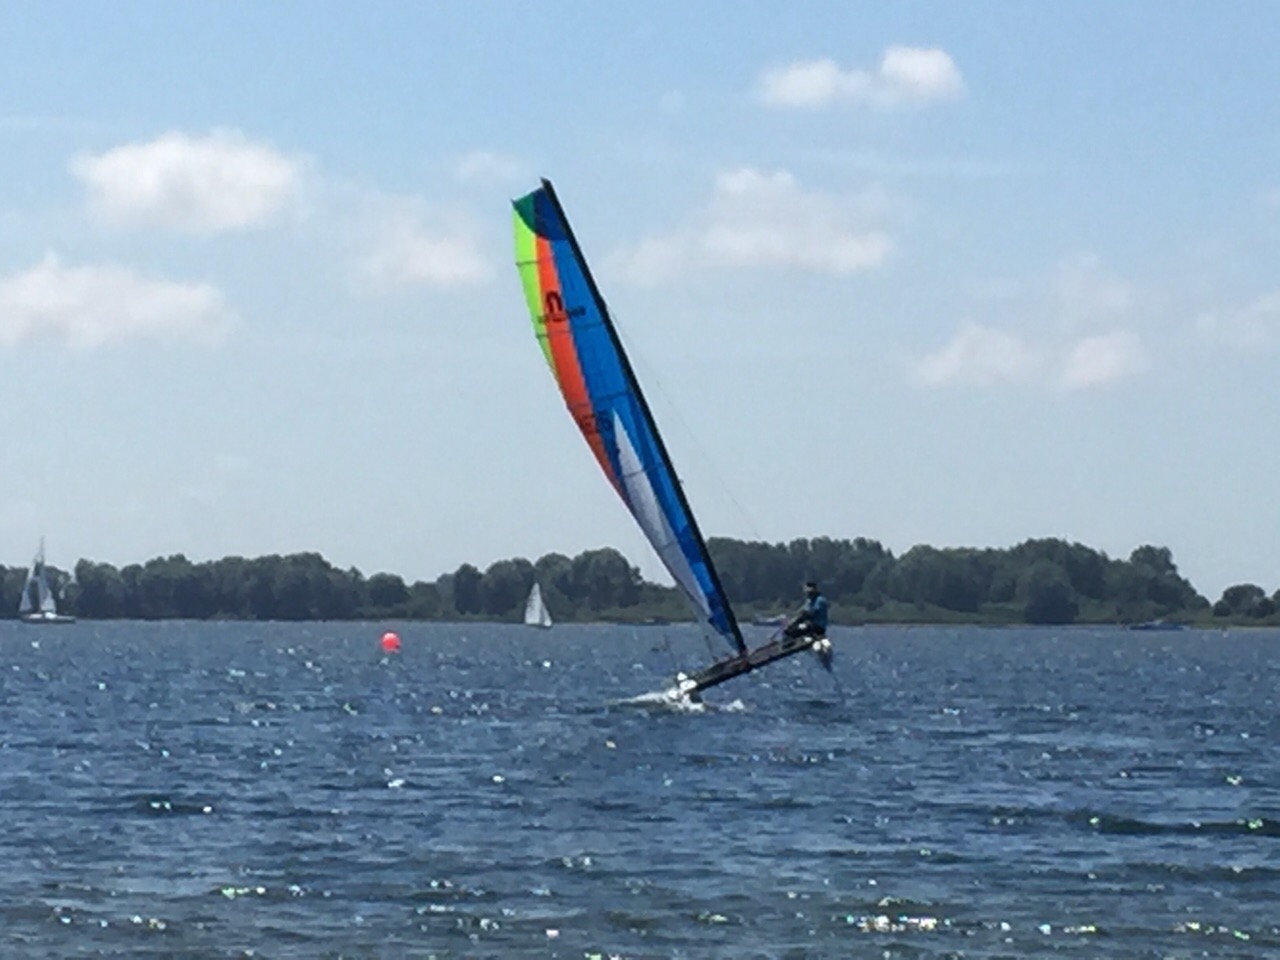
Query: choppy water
[284,791]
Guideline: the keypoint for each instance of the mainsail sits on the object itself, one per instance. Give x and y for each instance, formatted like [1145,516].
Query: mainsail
[37,597]
[536,613]
[586,356]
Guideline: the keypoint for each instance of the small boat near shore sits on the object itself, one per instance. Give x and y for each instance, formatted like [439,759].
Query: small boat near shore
[38,604]
[536,613]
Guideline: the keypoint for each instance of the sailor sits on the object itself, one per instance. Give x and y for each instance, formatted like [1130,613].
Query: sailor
[811,621]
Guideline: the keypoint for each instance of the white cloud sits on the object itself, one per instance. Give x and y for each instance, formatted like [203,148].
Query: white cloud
[402,252]
[756,219]
[1087,295]
[920,74]
[1042,332]
[982,356]
[1255,326]
[486,166]
[906,76]
[986,356]
[89,306]
[1099,360]
[189,184]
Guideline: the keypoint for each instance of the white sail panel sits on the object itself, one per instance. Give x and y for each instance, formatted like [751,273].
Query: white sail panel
[648,512]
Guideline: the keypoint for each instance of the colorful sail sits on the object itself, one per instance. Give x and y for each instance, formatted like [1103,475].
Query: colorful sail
[585,355]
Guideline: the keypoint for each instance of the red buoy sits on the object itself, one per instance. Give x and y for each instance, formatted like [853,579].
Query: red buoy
[390,642]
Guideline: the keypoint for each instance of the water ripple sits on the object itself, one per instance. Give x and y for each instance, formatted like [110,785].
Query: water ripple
[286,791]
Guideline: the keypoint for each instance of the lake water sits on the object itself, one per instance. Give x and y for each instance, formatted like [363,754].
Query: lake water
[284,791]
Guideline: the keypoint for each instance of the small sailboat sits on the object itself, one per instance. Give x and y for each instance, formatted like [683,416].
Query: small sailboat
[1159,624]
[536,613]
[38,604]
[582,347]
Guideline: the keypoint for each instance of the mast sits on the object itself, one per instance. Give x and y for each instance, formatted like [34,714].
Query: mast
[645,412]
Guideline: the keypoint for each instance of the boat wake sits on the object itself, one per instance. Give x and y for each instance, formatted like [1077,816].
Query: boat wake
[675,700]
[671,698]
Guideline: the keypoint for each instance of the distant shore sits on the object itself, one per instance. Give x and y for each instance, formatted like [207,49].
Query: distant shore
[1038,582]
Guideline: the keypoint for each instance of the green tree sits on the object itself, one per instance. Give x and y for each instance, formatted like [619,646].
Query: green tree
[952,579]
[425,602]
[343,594]
[466,590]
[387,593]
[11,581]
[102,593]
[505,586]
[604,578]
[1150,585]
[1046,591]
[1244,600]
[1085,568]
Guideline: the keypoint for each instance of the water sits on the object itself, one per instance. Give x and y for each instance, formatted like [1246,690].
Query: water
[285,791]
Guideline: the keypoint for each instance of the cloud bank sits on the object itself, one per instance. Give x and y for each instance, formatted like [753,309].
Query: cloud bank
[1254,326]
[94,305]
[1068,330]
[1106,358]
[980,356]
[757,219]
[400,250]
[984,356]
[905,77]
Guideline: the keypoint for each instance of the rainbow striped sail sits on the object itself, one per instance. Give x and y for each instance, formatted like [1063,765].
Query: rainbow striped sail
[585,355]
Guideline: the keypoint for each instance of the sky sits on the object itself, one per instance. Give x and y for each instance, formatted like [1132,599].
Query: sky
[940,273]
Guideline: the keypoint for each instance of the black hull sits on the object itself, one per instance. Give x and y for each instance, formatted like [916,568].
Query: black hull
[761,656]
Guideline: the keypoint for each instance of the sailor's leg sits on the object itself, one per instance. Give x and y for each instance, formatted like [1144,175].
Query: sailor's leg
[826,653]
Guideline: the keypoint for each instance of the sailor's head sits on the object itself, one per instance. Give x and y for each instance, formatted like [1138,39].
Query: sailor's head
[810,588]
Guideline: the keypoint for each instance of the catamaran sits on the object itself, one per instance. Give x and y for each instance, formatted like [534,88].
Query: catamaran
[584,351]
[38,604]
[536,613]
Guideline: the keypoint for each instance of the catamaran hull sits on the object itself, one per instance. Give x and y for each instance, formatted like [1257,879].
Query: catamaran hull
[761,656]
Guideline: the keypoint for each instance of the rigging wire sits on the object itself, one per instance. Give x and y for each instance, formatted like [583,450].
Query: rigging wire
[653,384]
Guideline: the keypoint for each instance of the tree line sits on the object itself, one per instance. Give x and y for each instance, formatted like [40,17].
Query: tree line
[1045,581]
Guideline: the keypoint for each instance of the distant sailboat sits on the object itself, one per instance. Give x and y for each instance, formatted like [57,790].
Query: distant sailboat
[38,604]
[1160,624]
[536,613]
[585,353]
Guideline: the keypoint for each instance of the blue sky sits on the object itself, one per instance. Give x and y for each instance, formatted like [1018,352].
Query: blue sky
[927,273]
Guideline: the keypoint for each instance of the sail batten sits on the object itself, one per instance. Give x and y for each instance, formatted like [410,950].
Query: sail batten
[586,357]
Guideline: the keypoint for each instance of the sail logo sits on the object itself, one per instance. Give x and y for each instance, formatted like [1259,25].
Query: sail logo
[555,309]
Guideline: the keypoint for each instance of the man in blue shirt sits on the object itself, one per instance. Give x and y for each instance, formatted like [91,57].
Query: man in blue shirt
[811,621]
